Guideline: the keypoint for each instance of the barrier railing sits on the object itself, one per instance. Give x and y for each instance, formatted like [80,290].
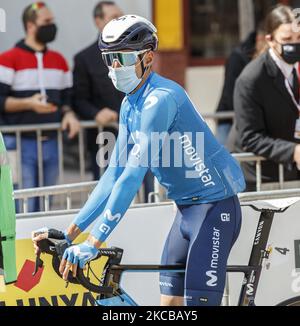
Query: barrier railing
[249,157]
[56,127]
[158,194]
[69,189]
[219,116]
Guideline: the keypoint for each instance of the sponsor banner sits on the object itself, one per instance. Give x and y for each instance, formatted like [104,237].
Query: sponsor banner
[142,234]
[45,288]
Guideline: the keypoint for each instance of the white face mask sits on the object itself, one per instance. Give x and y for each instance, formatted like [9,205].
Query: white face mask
[124,78]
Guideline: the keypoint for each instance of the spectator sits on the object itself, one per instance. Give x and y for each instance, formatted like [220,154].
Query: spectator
[35,85]
[95,97]
[238,60]
[266,101]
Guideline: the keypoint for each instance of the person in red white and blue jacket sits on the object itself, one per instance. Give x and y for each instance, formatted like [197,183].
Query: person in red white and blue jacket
[35,88]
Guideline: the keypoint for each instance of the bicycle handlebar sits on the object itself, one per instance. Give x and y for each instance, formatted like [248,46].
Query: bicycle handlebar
[56,249]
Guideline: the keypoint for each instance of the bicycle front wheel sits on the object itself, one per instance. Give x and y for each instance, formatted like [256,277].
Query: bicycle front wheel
[294,302]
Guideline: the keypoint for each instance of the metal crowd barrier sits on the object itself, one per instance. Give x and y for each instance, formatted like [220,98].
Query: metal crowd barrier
[88,187]
[38,130]
[249,157]
[220,116]
[85,125]
[158,195]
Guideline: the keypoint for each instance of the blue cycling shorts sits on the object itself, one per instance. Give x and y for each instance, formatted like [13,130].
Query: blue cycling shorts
[201,238]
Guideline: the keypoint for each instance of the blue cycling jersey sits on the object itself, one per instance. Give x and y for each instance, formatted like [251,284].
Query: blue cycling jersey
[161,130]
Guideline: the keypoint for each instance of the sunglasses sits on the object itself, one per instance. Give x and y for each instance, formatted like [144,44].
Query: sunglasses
[125,59]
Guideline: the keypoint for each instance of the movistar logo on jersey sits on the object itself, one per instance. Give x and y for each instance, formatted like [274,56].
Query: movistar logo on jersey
[198,163]
[104,228]
[213,278]
[213,274]
[108,214]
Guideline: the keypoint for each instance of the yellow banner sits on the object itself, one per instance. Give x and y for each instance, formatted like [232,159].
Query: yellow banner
[169,22]
[51,289]
[2,284]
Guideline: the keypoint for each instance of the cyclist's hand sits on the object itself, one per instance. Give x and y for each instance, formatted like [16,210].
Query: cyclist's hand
[77,255]
[46,233]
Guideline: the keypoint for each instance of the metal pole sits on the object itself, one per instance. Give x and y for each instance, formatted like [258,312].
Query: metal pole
[40,158]
[258,176]
[81,155]
[61,177]
[40,163]
[226,297]
[19,159]
[281,176]
[47,204]
[60,157]
[101,143]
[25,205]
[69,201]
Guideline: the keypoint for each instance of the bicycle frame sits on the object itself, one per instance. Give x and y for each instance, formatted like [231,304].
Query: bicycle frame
[252,272]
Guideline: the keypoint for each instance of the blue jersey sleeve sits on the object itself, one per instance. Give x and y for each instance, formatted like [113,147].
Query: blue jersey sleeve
[99,197]
[158,115]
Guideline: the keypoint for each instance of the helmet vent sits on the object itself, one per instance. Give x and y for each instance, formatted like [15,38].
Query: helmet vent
[124,36]
[135,38]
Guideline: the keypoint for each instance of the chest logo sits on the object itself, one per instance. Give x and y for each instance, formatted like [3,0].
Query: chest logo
[151,101]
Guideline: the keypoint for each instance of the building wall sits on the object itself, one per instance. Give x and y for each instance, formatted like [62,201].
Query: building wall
[74,19]
[204,85]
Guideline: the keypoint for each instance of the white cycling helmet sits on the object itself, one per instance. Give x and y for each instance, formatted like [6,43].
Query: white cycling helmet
[130,32]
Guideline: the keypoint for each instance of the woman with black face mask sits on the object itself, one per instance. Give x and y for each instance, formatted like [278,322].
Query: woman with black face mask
[267,102]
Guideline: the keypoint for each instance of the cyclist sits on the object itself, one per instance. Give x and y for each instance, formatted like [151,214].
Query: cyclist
[204,187]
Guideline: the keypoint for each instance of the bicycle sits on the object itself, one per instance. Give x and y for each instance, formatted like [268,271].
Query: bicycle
[111,293]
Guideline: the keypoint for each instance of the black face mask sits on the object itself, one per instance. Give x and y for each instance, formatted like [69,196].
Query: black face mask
[291,53]
[46,33]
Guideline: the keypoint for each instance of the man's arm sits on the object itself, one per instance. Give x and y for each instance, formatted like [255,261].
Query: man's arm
[34,103]
[155,119]
[99,197]
[10,104]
